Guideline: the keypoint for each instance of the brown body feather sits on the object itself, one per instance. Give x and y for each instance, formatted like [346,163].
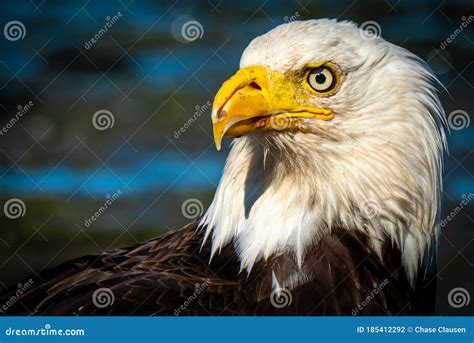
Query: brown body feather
[170,275]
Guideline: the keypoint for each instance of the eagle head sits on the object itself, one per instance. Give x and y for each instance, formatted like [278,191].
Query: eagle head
[331,128]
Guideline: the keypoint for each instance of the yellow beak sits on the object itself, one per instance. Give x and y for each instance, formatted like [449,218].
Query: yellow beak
[256,99]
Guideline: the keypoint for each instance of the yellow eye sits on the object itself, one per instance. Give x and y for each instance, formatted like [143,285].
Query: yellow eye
[322,79]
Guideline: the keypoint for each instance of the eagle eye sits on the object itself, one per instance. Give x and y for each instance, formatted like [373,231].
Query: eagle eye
[322,79]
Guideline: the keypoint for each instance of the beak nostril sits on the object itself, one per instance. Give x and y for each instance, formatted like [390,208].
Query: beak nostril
[255,85]
[221,114]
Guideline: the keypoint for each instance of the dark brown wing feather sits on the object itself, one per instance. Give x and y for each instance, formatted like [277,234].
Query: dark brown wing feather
[170,275]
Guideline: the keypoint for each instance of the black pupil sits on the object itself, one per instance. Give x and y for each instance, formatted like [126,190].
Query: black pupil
[320,78]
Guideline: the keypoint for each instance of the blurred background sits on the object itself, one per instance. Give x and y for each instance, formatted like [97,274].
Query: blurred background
[105,135]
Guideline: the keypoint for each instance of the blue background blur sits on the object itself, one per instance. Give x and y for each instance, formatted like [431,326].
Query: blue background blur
[153,81]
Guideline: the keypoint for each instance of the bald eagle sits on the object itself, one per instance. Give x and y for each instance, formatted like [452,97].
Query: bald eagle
[328,203]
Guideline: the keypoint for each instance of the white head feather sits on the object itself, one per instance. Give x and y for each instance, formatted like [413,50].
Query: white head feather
[375,167]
